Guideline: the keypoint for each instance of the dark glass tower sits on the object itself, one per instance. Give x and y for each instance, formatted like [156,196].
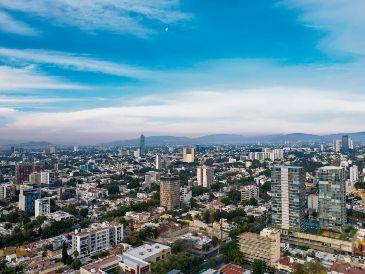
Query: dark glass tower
[345,144]
[142,144]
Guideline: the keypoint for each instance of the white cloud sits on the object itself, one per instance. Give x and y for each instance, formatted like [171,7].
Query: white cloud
[28,78]
[11,25]
[250,111]
[74,61]
[342,21]
[121,16]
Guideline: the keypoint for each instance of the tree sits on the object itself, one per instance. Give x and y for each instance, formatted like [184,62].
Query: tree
[312,267]
[76,264]
[178,246]
[258,267]
[253,202]
[65,256]
[231,253]
[198,190]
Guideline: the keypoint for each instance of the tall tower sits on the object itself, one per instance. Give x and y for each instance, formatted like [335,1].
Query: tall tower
[188,155]
[205,176]
[288,197]
[345,144]
[170,192]
[142,144]
[332,197]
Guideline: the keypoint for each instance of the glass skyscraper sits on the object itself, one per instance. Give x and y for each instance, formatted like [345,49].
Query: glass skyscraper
[332,197]
[288,197]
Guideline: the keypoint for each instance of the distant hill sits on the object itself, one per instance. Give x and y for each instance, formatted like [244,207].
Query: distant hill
[238,139]
[25,144]
[207,139]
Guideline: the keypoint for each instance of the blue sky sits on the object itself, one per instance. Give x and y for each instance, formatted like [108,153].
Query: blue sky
[95,71]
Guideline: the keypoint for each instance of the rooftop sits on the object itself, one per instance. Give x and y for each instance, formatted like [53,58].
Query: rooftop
[145,251]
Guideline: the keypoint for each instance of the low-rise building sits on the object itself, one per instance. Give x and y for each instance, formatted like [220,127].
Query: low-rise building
[264,247]
[102,266]
[249,192]
[150,253]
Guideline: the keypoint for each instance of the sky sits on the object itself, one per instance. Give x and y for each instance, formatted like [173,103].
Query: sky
[93,71]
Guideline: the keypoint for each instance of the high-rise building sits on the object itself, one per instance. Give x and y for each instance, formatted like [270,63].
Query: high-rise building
[43,178]
[354,174]
[142,145]
[6,190]
[27,197]
[345,144]
[332,197]
[288,197]
[337,145]
[205,176]
[97,239]
[264,247]
[52,149]
[22,171]
[42,207]
[170,192]
[248,192]
[185,195]
[188,154]
[162,161]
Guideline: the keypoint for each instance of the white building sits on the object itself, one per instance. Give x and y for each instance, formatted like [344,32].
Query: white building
[205,176]
[162,161]
[313,202]
[42,207]
[185,195]
[97,238]
[354,174]
[248,192]
[43,178]
[149,253]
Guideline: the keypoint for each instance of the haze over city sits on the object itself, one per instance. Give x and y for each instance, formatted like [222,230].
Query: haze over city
[99,71]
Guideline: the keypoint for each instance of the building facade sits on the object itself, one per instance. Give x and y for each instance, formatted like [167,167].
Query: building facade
[205,176]
[264,247]
[248,192]
[188,154]
[22,172]
[42,207]
[170,192]
[27,197]
[332,197]
[96,239]
[288,197]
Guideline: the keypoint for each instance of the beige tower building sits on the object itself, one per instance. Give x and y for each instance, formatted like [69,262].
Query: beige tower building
[205,176]
[188,154]
[170,192]
[264,247]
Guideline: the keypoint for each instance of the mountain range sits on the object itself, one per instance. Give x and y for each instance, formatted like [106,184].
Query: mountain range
[208,139]
[238,139]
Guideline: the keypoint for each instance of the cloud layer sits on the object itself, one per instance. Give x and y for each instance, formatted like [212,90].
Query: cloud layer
[251,111]
[120,16]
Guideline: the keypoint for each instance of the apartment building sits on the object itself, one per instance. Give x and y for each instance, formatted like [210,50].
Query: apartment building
[42,207]
[249,192]
[97,238]
[205,176]
[264,247]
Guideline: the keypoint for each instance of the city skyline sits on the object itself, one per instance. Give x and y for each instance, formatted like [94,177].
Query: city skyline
[100,72]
